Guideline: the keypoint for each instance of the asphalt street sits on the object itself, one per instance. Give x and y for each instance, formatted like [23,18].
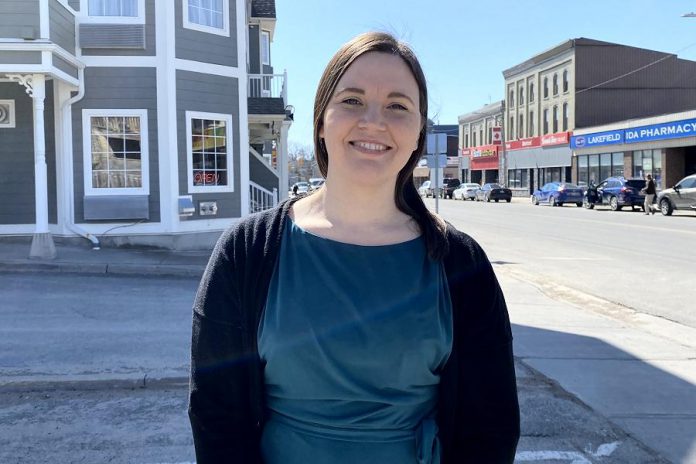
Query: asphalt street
[641,262]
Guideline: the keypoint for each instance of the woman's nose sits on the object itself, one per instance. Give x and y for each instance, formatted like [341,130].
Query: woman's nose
[372,117]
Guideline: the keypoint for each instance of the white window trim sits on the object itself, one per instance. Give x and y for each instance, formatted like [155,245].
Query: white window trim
[225,31]
[87,152]
[85,18]
[265,38]
[189,153]
[13,121]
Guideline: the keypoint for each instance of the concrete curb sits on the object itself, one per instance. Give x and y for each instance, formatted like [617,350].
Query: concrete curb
[159,270]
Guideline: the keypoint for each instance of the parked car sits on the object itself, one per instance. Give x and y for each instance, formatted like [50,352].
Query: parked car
[315,183]
[557,193]
[618,192]
[449,187]
[493,192]
[424,190]
[682,196]
[465,191]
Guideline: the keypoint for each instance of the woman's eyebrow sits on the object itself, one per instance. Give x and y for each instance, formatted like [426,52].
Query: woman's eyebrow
[362,92]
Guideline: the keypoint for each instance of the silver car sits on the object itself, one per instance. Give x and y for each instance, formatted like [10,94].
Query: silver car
[682,196]
[466,191]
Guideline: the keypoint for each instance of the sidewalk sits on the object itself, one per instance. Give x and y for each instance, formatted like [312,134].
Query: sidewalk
[637,370]
[14,257]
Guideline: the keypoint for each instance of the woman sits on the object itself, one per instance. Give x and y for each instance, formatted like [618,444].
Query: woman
[353,325]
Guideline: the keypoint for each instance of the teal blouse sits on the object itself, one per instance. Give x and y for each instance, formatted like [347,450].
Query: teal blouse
[353,339]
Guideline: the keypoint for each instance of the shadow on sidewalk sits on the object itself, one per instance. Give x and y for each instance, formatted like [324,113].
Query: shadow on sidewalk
[655,406]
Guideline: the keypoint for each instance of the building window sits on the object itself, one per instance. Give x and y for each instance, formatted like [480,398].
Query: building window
[546,121]
[490,135]
[531,92]
[546,87]
[521,95]
[124,8]
[266,48]
[520,130]
[518,178]
[7,114]
[115,152]
[473,139]
[617,164]
[512,128]
[511,98]
[648,162]
[565,81]
[582,170]
[530,125]
[211,16]
[555,84]
[555,119]
[466,140]
[209,138]
[114,12]
[565,117]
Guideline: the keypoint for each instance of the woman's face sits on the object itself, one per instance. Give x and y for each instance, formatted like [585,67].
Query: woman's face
[372,122]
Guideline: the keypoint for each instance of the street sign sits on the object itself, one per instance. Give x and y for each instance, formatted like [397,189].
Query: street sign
[497,135]
[439,161]
[437,143]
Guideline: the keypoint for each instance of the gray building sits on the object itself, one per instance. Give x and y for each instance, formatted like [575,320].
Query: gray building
[481,155]
[139,122]
[581,83]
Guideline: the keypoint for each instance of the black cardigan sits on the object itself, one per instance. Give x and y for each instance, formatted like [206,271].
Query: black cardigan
[478,412]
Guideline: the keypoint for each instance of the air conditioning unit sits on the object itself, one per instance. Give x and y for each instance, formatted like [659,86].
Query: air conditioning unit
[7,114]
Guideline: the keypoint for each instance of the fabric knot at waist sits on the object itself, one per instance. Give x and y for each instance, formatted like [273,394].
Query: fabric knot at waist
[427,442]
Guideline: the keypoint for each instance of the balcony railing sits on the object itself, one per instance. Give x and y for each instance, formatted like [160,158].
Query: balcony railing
[261,199]
[268,86]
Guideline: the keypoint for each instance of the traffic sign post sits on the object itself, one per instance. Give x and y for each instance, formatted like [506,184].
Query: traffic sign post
[436,147]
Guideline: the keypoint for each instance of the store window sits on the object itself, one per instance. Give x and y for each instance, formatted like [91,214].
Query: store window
[617,164]
[555,119]
[604,165]
[555,84]
[565,81]
[594,169]
[565,117]
[546,121]
[583,169]
[551,175]
[115,152]
[518,178]
[208,16]
[209,160]
[648,162]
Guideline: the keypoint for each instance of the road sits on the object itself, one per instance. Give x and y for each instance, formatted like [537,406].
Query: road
[81,357]
[642,262]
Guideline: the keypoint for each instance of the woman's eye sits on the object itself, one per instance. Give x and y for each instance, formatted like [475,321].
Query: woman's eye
[351,101]
[397,106]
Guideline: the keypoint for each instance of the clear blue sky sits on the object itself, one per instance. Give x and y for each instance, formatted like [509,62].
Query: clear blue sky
[464,45]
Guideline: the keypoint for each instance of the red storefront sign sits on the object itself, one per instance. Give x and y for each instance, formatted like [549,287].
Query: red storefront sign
[559,138]
[466,151]
[484,157]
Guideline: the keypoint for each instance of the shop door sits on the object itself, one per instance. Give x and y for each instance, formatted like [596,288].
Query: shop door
[476,177]
[531,181]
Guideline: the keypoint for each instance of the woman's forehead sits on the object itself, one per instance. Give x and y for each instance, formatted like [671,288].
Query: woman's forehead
[378,71]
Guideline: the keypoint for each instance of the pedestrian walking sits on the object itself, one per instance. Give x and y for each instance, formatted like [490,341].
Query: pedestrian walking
[354,325]
[294,190]
[649,191]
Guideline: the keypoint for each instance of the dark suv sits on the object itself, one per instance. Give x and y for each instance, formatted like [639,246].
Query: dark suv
[618,192]
[449,186]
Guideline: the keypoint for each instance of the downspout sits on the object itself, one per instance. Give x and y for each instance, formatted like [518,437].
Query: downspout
[70,210]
